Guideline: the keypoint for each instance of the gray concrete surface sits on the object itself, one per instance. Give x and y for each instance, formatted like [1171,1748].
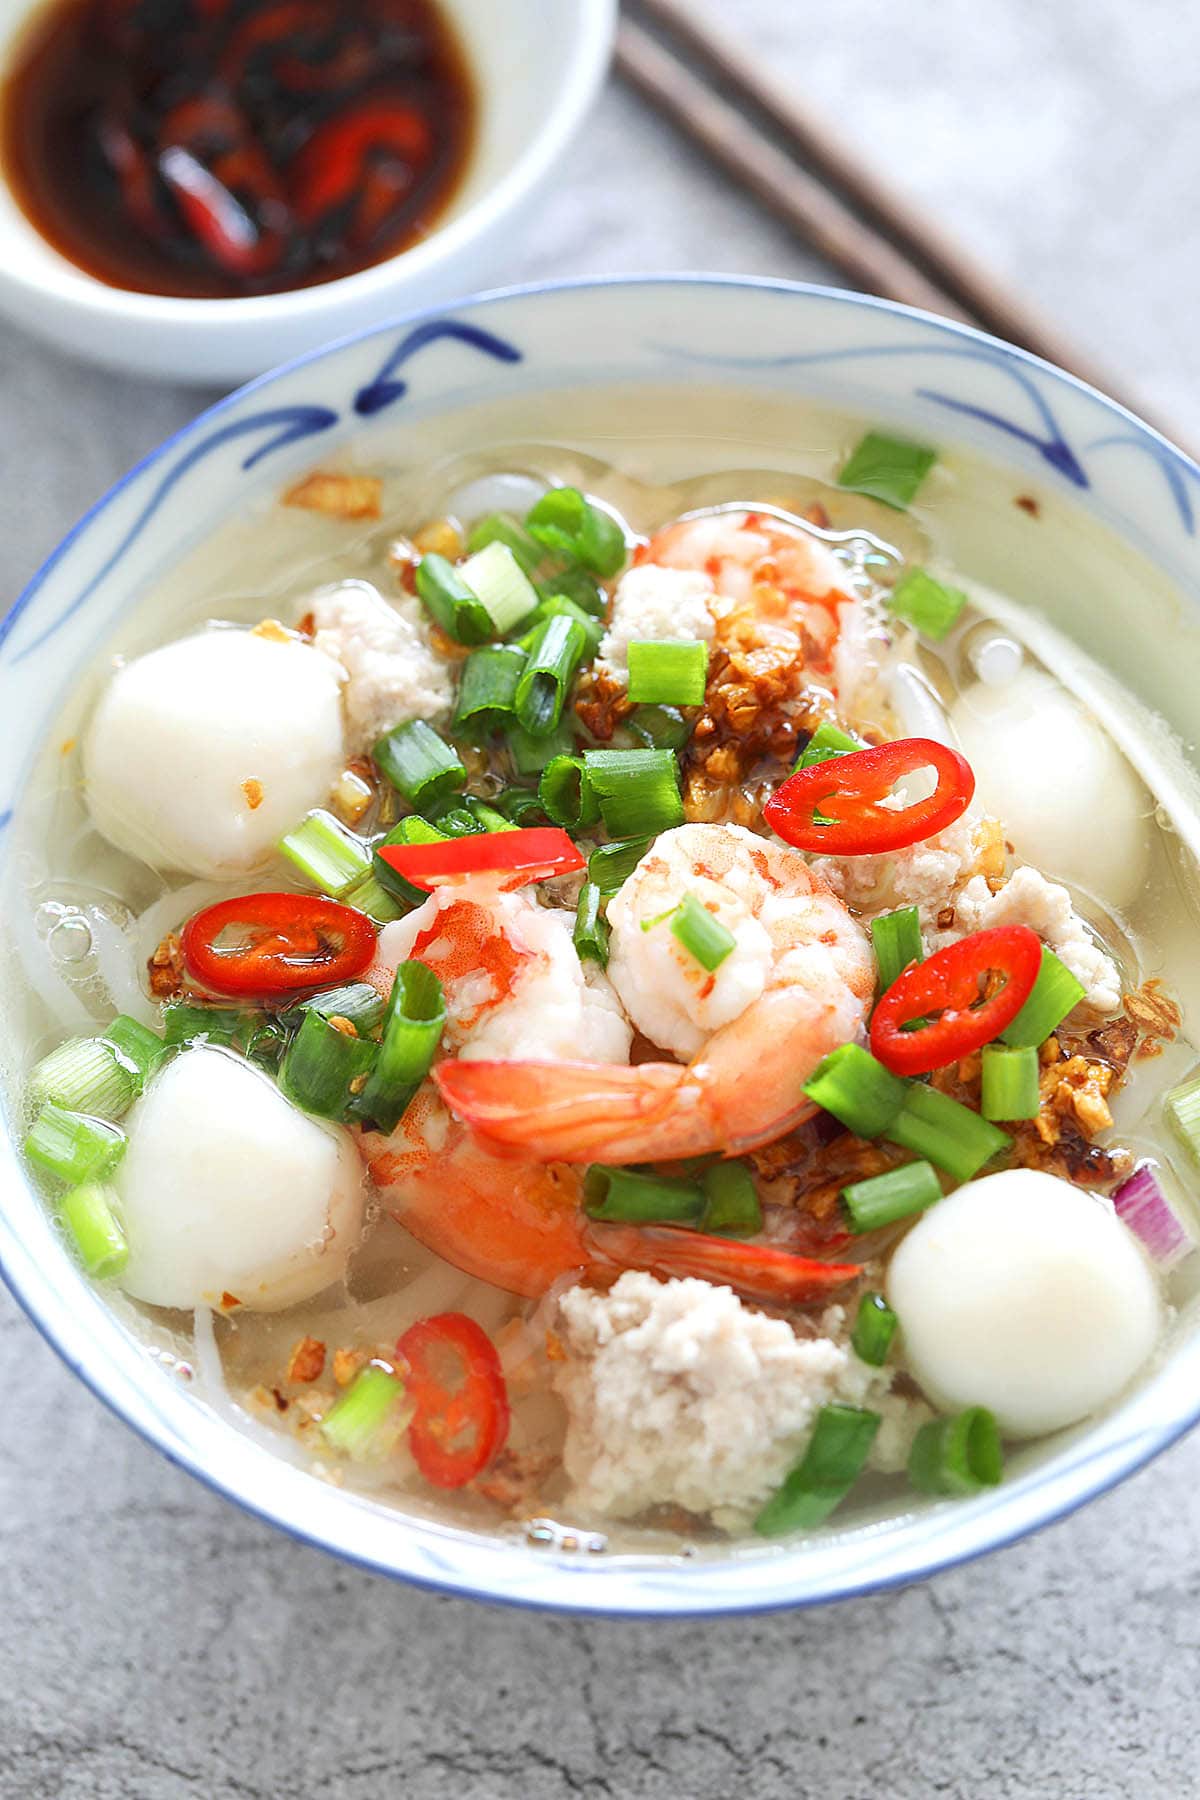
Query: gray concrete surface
[154,1643]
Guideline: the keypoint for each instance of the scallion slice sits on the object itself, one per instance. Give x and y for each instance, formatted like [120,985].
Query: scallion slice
[1054,994]
[368,895]
[503,528]
[612,864]
[88,1216]
[634,1198]
[73,1146]
[836,1455]
[576,585]
[420,765]
[554,653]
[487,691]
[701,933]
[896,940]
[855,1087]
[451,604]
[659,727]
[325,853]
[521,806]
[565,521]
[826,742]
[638,790]
[591,927]
[1182,1107]
[488,816]
[668,671]
[896,1194]
[731,1204]
[933,1125]
[322,1063]
[887,468]
[185,1020]
[497,579]
[456,822]
[1009,1087]
[86,1075]
[925,603]
[874,1328]
[957,1456]
[367,1421]
[139,1048]
[265,1041]
[558,606]
[409,831]
[531,754]
[412,1029]
[357,1001]
[566,794]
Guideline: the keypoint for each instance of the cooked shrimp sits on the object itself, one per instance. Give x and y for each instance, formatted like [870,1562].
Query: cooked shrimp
[794,985]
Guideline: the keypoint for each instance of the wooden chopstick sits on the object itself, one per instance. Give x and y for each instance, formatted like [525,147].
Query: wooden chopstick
[810,177]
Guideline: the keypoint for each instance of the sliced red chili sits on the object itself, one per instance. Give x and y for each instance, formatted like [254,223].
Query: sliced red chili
[268,945]
[940,1009]
[528,855]
[455,1383]
[834,807]
[365,160]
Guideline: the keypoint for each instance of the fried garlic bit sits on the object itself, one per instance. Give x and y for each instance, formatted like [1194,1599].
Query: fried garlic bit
[339,496]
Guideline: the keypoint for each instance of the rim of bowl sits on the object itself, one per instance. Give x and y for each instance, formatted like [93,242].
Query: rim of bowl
[596,22]
[1049,1500]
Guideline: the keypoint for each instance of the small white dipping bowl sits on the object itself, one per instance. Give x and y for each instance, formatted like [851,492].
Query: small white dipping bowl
[537,70]
[687,372]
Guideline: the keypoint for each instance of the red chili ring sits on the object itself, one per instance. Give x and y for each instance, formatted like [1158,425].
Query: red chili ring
[459,1425]
[846,791]
[909,1041]
[289,942]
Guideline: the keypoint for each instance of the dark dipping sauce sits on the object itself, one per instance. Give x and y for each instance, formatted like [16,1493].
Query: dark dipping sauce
[217,148]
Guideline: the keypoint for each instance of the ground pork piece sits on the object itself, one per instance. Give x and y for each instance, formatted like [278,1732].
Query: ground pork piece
[1027,898]
[925,875]
[392,674]
[652,603]
[678,1395]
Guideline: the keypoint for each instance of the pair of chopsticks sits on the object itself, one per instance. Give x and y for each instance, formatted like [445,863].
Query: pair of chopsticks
[764,135]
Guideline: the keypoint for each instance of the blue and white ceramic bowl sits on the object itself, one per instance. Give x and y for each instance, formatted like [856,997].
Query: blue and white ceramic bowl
[756,363]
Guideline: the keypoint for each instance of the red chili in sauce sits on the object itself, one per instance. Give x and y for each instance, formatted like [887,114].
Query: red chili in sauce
[217,148]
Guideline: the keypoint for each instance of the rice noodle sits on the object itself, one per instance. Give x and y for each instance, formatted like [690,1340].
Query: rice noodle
[211,1376]
[117,966]
[36,960]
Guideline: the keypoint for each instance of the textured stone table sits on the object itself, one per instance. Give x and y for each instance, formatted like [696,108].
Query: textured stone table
[156,1643]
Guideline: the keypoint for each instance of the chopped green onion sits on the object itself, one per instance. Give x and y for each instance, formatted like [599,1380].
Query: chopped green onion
[638,1199]
[502,528]
[701,934]
[495,576]
[419,764]
[558,606]
[668,671]
[86,1075]
[957,1456]
[456,822]
[874,1329]
[367,1421]
[412,1030]
[836,1454]
[566,794]
[888,469]
[896,1194]
[139,1048]
[320,1065]
[531,754]
[73,1146]
[855,1087]
[659,727]
[265,1042]
[367,895]
[1010,1083]
[638,790]
[487,690]
[1055,993]
[926,604]
[555,653]
[563,520]
[591,927]
[328,855]
[488,816]
[184,1021]
[357,1001]
[1182,1107]
[576,585]
[409,831]
[896,940]
[451,604]
[521,806]
[931,1124]
[731,1203]
[826,742]
[91,1223]
[612,864]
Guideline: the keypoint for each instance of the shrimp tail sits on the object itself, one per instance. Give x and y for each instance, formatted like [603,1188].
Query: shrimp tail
[570,1112]
[757,1270]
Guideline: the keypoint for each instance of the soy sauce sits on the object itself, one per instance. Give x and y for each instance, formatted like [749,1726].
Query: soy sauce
[218,148]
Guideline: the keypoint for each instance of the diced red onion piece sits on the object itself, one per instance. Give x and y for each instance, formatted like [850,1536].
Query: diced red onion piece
[1143,1206]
